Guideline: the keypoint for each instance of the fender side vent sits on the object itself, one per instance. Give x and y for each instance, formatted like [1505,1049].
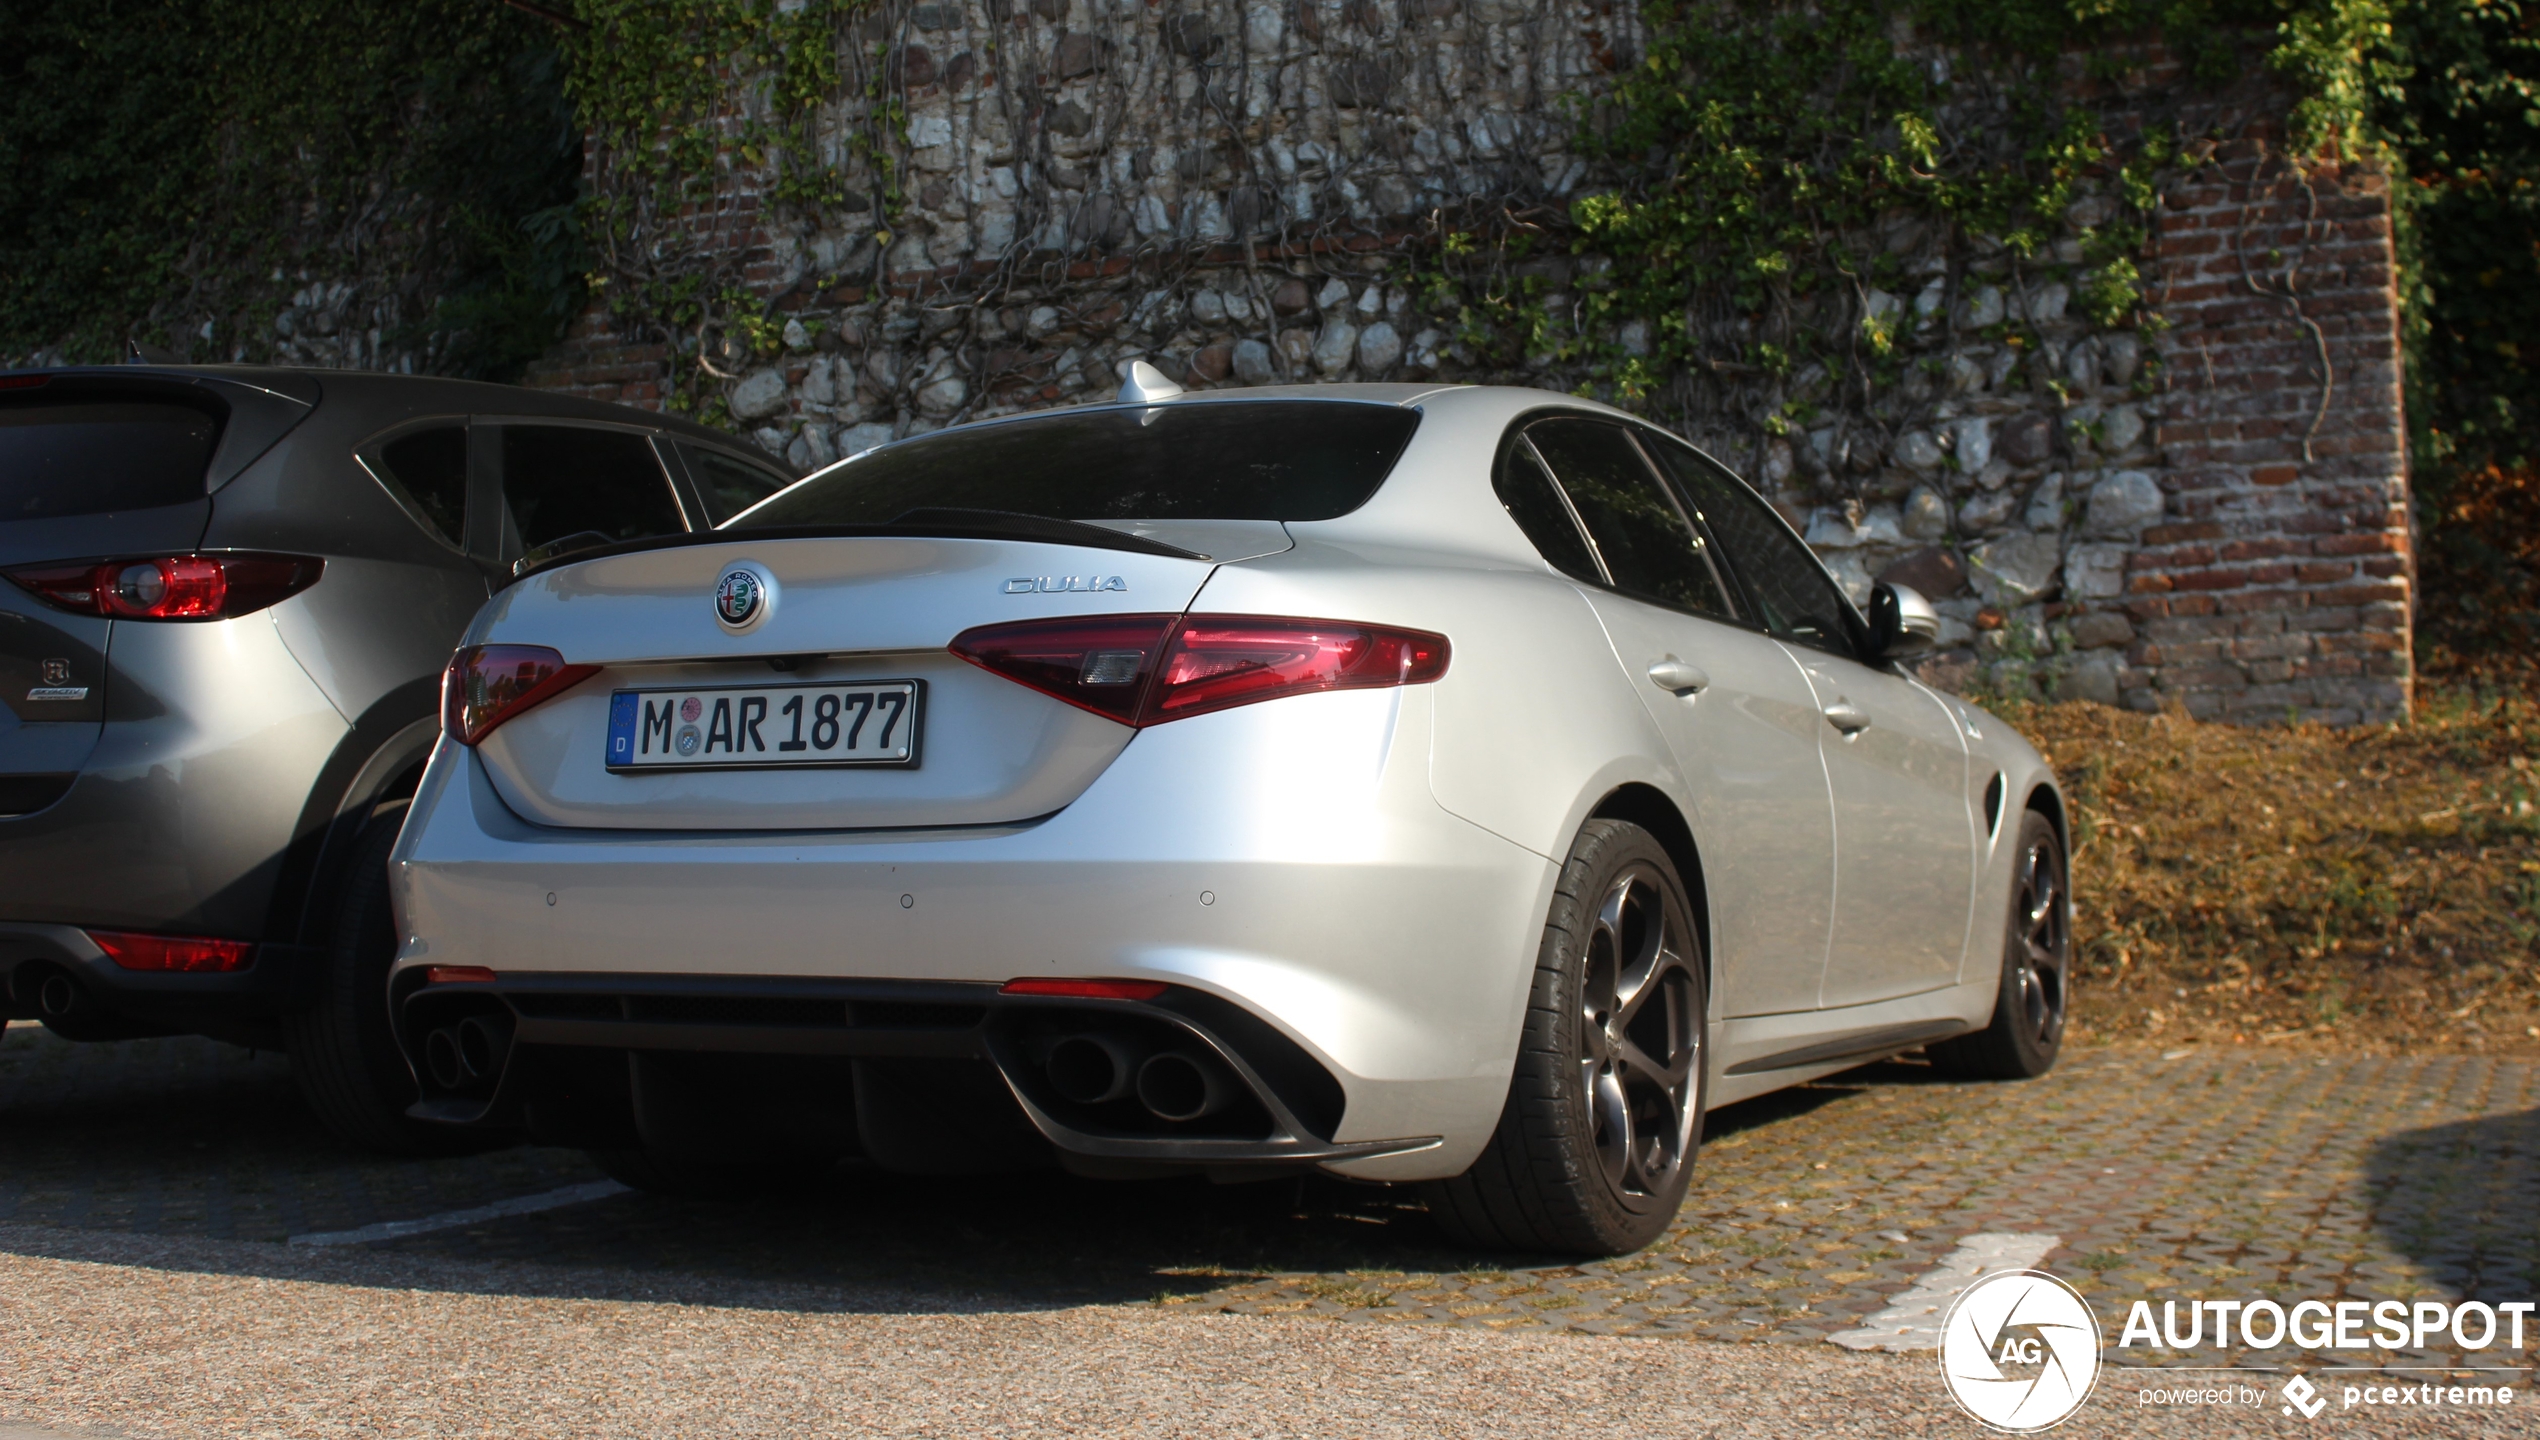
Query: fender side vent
[1993,805]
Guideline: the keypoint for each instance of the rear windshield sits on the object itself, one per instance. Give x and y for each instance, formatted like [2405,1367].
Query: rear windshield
[65,456]
[1260,460]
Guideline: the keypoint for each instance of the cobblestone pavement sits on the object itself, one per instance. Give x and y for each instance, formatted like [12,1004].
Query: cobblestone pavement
[2227,1173]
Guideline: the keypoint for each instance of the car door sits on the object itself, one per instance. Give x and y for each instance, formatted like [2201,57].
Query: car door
[1737,713]
[1905,836]
[554,487]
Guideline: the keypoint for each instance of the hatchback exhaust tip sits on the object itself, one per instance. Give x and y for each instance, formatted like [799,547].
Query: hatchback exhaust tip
[58,997]
[1177,1087]
[1092,1068]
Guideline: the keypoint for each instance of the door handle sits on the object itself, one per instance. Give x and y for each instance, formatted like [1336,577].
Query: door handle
[1847,717]
[1678,678]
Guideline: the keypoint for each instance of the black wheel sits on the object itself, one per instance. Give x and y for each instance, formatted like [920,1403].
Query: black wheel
[342,1053]
[699,1180]
[1595,1147]
[2037,949]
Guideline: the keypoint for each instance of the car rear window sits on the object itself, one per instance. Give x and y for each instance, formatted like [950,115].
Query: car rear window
[66,456]
[1256,460]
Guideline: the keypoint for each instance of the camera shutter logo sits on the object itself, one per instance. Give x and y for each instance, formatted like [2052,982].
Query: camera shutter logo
[2020,1351]
[743,595]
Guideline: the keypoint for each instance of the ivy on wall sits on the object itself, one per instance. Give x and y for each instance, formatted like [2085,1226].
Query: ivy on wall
[2458,99]
[173,171]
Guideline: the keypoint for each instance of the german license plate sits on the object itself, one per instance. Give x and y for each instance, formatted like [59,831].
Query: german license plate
[870,722]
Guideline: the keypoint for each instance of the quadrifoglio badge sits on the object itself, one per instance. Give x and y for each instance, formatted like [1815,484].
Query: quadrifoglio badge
[2021,1351]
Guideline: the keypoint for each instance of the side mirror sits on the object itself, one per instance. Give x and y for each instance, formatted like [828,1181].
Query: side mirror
[1902,622]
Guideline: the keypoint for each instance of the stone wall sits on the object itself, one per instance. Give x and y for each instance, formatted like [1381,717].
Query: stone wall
[2187,512]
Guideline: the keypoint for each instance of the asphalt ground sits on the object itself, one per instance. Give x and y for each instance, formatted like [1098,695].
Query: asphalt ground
[148,1192]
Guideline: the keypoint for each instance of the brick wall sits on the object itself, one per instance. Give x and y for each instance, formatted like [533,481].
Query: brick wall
[2280,583]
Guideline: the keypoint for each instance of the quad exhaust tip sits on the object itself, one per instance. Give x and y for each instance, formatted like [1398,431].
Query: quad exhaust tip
[1095,1068]
[468,1055]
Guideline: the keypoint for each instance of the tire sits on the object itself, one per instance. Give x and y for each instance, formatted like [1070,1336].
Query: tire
[697,1180]
[2027,1030]
[1595,1147]
[342,1051]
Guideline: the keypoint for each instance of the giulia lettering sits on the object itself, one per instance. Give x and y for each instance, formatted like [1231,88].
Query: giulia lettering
[657,717]
[1064,584]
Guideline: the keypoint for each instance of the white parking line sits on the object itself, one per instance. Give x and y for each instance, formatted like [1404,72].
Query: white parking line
[1912,1320]
[452,1219]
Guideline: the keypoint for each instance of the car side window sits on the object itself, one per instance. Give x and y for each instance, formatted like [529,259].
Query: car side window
[727,484]
[1526,491]
[1648,548]
[426,472]
[1794,596]
[570,487]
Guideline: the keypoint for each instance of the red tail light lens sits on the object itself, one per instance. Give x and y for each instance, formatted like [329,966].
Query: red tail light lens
[1086,989]
[1221,661]
[1100,663]
[457,975]
[172,587]
[184,953]
[1146,669]
[489,684]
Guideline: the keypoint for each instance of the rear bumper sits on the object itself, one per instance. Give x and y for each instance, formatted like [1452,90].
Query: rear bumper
[1286,861]
[134,999]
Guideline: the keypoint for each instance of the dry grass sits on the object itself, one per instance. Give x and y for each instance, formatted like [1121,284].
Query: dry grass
[2371,887]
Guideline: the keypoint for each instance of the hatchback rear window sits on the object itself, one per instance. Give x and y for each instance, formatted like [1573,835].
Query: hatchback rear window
[66,456]
[1253,460]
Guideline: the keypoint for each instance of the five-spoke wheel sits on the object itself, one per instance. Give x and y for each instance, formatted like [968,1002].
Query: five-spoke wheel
[1595,1146]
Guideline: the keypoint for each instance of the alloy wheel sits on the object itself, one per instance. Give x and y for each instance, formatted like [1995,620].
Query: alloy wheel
[2043,939]
[1640,1034]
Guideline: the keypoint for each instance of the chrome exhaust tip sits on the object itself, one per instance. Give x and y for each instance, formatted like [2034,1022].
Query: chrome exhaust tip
[1177,1087]
[441,1056]
[1090,1069]
[484,1042]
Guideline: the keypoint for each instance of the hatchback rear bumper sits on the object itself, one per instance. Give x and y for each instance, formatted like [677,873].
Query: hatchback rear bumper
[1325,898]
[106,1001]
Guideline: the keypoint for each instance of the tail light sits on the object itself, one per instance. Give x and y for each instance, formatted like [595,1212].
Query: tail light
[489,684]
[172,587]
[187,954]
[1146,669]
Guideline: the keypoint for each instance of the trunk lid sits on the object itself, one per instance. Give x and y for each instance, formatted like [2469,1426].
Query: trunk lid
[842,610]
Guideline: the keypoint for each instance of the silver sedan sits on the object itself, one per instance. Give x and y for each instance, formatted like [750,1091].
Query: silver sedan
[1458,785]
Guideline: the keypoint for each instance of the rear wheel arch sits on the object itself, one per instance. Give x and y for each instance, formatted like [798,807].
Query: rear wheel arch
[2047,801]
[1649,807]
[379,761]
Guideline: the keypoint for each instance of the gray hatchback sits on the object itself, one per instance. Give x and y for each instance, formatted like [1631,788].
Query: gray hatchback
[231,595]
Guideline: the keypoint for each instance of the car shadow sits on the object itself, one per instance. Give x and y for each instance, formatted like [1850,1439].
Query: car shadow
[185,1140]
[2457,1200]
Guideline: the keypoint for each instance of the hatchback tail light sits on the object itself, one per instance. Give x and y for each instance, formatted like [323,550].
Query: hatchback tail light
[489,684]
[187,954]
[1146,669]
[172,587]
